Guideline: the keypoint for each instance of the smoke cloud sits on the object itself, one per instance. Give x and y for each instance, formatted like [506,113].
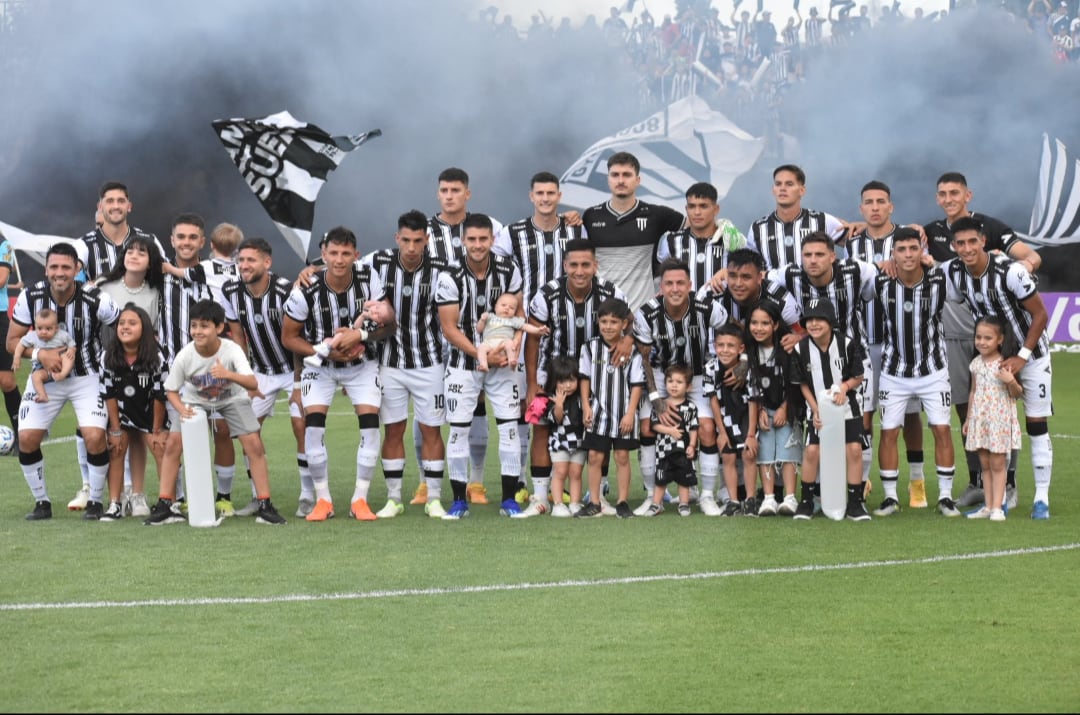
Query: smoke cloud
[125,90]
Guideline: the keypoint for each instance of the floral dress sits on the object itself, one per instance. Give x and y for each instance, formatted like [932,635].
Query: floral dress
[992,421]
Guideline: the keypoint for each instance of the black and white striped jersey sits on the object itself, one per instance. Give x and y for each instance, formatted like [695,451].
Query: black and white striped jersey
[683,340]
[822,369]
[609,387]
[417,340]
[939,236]
[82,317]
[780,242]
[444,239]
[475,296]
[136,389]
[103,254]
[537,253]
[260,319]
[177,297]
[864,247]
[571,323]
[851,286]
[771,290]
[1000,290]
[914,344]
[214,272]
[814,26]
[704,255]
[322,310]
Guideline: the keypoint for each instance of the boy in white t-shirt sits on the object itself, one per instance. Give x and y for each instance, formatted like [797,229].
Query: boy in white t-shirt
[213,374]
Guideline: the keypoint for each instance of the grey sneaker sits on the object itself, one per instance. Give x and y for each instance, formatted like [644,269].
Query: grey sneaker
[1010,498]
[251,509]
[972,496]
[305,507]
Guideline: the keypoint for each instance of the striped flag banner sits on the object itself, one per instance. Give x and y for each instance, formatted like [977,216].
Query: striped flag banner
[286,162]
[683,144]
[1055,217]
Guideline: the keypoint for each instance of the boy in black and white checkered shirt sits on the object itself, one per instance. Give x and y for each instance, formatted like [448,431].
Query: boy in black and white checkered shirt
[676,445]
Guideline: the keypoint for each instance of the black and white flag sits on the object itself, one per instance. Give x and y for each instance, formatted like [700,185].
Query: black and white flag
[286,162]
[678,146]
[1055,217]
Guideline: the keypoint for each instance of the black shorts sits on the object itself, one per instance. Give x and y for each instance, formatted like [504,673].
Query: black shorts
[5,356]
[599,443]
[853,432]
[676,468]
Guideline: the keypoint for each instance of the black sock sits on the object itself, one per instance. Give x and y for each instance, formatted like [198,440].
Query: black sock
[509,487]
[854,493]
[12,398]
[458,488]
[807,491]
[974,469]
[220,496]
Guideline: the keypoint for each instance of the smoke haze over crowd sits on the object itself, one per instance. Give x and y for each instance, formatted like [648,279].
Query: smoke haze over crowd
[125,90]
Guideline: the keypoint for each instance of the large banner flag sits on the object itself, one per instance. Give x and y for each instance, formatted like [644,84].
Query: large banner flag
[286,162]
[1055,217]
[680,145]
[37,245]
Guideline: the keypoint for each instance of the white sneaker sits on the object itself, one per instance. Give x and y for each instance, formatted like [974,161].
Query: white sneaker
[708,505]
[605,508]
[81,497]
[139,507]
[997,515]
[535,508]
[561,511]
[789,506]
[768,506]
[983,513]
[434,509]
[574,508]
[642,508]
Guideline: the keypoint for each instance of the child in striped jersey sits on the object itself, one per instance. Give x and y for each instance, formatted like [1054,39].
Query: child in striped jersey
[610,394]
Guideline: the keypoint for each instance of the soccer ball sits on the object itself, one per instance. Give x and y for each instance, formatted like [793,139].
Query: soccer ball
[7,441]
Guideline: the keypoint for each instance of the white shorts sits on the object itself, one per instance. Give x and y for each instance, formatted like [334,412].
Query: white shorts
[463,388]
[271,386]
[1037,379]
[423,384]
[84,394]
[872,381]
[932,391]
[696,395]
[318,385]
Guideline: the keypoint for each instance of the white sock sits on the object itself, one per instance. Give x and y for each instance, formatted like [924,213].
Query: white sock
[225,475]
[80,449]
[540,488]
[478,441]
[945,479]
[34,474]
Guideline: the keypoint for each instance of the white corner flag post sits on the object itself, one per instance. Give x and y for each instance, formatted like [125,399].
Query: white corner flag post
[198,470]
[832,469]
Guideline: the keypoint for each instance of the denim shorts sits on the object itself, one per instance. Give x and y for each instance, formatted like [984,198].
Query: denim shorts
[779,444]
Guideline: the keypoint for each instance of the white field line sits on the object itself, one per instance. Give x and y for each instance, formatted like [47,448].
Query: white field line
[499,587]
